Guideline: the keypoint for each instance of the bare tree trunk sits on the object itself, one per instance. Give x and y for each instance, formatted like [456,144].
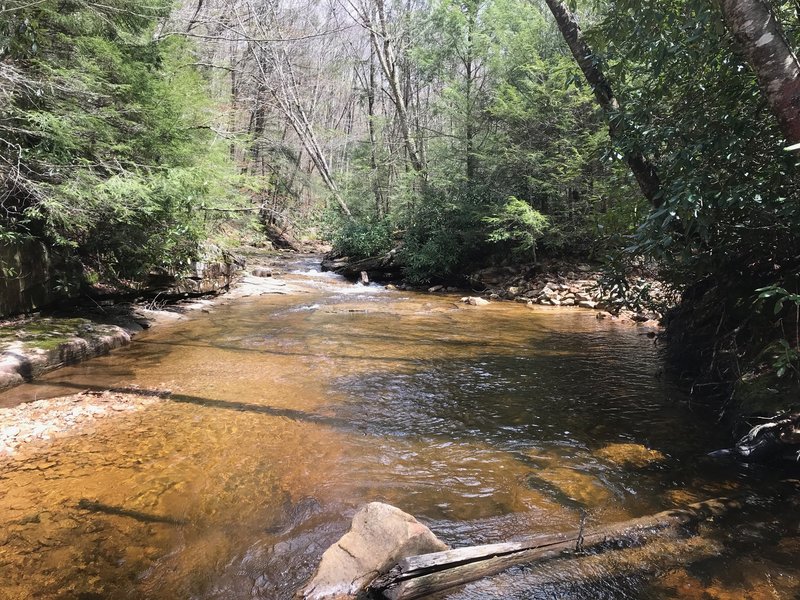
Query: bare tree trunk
[193,20]
[641,167]
[287,98]
[470,129]
[385,52]
[373,141]
[756,28]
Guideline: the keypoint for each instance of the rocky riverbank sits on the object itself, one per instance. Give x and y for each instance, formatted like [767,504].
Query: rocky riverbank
[580,286]
[33,345]
[641,299]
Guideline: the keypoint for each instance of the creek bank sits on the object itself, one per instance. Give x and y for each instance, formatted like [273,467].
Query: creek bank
[547,284]
[33,345]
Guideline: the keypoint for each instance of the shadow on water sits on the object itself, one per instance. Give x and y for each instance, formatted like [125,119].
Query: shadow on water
[99,507]
[287,413]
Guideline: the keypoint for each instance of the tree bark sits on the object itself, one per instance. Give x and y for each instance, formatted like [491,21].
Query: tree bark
[641,167]
[756,28]
[373,140]
[384,50]
[469,74]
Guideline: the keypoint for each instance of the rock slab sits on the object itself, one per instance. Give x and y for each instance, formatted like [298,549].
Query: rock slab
[379,536]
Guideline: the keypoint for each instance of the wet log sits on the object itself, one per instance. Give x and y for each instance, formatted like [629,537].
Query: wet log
[420,576]
[564,577]
[378,268]
[777,436]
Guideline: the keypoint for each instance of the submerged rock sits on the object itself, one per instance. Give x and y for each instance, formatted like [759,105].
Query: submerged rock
[571,485]
[379,536]
[629,455]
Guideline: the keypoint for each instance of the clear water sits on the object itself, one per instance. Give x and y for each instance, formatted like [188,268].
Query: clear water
[290,411]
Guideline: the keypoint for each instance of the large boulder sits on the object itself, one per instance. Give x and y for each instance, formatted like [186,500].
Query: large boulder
[379,536]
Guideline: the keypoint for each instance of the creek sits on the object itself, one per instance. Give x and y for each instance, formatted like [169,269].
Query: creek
[290,411]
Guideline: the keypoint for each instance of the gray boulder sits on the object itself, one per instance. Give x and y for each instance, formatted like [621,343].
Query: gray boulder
[379,536]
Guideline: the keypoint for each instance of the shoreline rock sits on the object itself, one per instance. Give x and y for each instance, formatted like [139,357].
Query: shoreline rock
[577,285]
[22,361]
[33,345]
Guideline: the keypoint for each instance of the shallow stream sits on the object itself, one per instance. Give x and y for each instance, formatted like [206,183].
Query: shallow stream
[290,411]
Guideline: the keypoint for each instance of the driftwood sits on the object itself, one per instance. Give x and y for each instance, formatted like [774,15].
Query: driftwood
[420,576]
[590,570]
[777,436]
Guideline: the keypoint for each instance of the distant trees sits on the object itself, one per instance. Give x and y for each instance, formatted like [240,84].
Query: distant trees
[641,167]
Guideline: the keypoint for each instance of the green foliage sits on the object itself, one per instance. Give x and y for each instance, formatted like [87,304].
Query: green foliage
[528,126]
[115,154]
[456,229]
[729,223]
[784,351]
[445,234]
[517,225]
[362,237]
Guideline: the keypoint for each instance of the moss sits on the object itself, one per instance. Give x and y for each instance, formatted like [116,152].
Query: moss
[49,343]
[46,333]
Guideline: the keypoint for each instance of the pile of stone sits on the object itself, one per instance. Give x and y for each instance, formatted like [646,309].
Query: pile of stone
[578,287]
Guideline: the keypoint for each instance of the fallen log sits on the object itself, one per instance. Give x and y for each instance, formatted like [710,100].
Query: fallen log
[592,570]
[420,576]
[778,436]
[386,267]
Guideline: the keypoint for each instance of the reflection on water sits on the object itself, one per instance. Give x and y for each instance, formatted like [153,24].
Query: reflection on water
[289,412]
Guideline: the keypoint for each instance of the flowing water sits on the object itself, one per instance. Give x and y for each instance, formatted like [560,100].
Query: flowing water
[290,411]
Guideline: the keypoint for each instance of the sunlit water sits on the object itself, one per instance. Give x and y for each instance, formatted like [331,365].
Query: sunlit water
[290,411]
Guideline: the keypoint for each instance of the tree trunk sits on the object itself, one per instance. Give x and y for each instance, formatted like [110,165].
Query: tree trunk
[642,169]
[756,28]
[193,20]
[384,50]
[469,132]
[373,140]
